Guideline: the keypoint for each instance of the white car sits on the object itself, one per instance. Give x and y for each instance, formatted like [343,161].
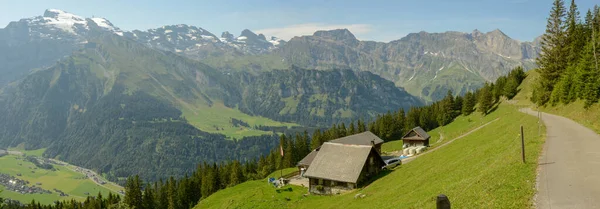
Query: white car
[391,163]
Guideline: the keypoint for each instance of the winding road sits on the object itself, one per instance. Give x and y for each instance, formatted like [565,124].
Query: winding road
[569,167]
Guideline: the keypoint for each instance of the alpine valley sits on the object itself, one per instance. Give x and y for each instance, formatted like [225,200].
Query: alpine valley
[157,102]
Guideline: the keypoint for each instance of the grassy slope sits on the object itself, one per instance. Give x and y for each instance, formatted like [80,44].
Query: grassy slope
[482,170]
[73,183]
[218,115]
[575,111]
[460,125]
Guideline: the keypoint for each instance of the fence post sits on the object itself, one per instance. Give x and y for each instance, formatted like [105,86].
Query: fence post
[522,144]
[442,202]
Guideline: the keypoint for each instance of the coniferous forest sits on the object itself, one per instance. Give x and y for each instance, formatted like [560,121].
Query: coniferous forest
[568,64]
[209,178]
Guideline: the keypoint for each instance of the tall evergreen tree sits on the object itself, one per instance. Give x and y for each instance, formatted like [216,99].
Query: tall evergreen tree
[469,103]
[148,198]
[552,60]
[485,99]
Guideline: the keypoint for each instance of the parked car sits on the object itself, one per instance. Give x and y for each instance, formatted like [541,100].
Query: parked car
[391,163]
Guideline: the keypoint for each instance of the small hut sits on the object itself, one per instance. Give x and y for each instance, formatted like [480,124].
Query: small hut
[416,137]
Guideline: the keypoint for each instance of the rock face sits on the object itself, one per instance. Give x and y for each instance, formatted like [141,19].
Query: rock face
[426,64]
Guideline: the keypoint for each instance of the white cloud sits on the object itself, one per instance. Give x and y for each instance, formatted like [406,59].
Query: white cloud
[290,31]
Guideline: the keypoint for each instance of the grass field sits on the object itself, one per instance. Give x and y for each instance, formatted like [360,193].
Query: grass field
[71,182]
[481,170]
[209,118]
[460,125]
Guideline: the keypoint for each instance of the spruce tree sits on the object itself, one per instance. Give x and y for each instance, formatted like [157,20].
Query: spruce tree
[148,198]
[485,99]
[468,103]
[552,60]
[316,140]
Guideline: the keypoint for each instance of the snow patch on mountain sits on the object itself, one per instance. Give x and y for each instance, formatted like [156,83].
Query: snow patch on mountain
[63,20]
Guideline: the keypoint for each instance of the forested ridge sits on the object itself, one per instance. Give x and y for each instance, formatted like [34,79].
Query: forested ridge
[568,66]
[208,178]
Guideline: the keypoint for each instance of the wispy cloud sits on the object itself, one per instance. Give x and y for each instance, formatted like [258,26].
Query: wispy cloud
[288,32]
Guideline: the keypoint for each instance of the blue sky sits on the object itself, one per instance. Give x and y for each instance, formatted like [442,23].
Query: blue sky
[367,19]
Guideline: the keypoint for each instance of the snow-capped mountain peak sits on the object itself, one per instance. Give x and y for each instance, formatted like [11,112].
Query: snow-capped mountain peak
[106,25]
[62,20]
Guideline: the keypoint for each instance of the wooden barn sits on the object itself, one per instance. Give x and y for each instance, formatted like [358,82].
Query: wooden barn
[365,138]
[341,167]
[416,137]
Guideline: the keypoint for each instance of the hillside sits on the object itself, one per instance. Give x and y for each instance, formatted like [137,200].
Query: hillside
[122,108]
[576,111]
[502,180]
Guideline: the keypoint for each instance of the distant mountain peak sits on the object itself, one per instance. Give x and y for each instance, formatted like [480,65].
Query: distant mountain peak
[337,34]
[497,32]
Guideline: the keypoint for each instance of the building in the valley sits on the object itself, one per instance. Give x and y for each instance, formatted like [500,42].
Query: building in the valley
[340,167]
[415,138]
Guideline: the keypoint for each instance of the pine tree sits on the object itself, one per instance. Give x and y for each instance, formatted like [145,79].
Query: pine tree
[468,103]
[288,156]
[485,99]
[552,61]
[351,129]
[316,140]
[148,198]
[236,176]
[361,126]
[575,40]
[510,88]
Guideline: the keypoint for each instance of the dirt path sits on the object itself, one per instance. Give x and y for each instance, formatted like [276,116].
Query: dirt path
[569,167]
[407,160]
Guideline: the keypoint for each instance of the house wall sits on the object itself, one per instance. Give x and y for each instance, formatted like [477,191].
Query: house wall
[329,187]
[416,143]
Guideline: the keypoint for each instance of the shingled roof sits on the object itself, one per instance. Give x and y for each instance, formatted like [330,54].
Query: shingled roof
[339,162]
[420,134]
[309,158]
[363,138]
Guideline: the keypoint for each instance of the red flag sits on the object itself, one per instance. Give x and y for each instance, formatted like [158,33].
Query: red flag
[281,150]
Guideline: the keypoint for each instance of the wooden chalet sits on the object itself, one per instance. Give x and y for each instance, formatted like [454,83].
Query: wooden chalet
[340,167]
[365,138]
[416,137]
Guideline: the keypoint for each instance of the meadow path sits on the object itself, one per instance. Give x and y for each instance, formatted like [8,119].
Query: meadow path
[569,167]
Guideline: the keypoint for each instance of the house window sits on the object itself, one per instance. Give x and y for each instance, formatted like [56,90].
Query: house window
[320,181]
[351,185]
[332,183]
[371,160]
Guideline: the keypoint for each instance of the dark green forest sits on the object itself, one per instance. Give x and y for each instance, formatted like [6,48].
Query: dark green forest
[209,178]
[568,66]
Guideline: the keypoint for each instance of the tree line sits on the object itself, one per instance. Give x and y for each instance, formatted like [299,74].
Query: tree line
[568,64]
[209,178]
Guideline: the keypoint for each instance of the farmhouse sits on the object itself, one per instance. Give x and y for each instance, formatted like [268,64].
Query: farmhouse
[340,167]
[415,138]
[365,138]
[3,152]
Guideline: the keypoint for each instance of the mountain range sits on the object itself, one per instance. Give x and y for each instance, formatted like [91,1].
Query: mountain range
[157,102]
[98,97]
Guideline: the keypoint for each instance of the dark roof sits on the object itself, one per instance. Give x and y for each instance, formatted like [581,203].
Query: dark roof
[363,138]
[308,159]
[340,162]
[421,134]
